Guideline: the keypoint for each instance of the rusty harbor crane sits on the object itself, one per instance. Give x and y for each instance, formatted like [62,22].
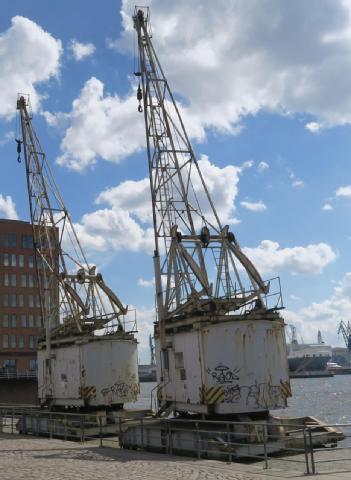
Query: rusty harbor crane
[76,368]
[220,343]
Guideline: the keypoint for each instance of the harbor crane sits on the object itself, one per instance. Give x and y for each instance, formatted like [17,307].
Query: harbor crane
[219,341]
[75,366]
[345,330]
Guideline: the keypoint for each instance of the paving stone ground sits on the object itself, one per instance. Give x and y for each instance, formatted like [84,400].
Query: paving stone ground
[31,458]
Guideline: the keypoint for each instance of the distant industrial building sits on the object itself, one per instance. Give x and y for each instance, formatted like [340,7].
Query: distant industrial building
[20,314]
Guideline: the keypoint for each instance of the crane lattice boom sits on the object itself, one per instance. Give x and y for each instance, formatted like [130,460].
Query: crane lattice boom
[74,298]
[199,265]
[345,330]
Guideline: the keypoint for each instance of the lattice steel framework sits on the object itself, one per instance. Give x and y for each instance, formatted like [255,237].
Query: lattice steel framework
[191,244]
[74,298]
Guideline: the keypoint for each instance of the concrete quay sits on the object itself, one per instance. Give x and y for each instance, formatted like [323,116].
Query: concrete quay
[32,458]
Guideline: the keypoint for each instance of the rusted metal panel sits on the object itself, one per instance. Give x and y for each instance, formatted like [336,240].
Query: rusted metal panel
[237,366]
[99,372]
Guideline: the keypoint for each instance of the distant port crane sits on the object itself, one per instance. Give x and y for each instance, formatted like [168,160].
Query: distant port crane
[345,330]
[213,306]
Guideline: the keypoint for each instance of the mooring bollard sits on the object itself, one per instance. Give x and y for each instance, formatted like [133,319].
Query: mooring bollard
[100,430]
[265,435]
[198,440]
[306,452]
[311,451]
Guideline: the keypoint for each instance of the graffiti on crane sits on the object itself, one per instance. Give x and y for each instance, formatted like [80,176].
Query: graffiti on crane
[121,389]
[258,395]
[222,374]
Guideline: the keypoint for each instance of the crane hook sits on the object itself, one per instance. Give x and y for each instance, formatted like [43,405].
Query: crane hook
[19,149]
[139,98]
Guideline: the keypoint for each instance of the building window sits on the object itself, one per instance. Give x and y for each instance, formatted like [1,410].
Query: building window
[20,300]
[10,364]
[9,240]
[23,321]
[38,321]
[13,240]
[30,261]
[30,281]
[33,364]
[23,280]
[5,299]
[13,320]
[13,280]
[13,300]
[30,301]
[5,240]
[20,341]
[5,320]
[13,341]
[31,341]
[27,241]
[13,260]
[21,260]
[37,301]
[6,260]
[5,341]
[30,321]
[6,281]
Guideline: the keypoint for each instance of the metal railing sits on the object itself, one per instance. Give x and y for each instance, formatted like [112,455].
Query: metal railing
[12,374]
[223,440]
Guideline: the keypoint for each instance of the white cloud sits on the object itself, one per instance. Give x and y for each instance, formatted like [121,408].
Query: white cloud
[262,166]
[110,229]
[8,207]
[325,315]
[247,164]
[327,207]
[100,126]
[126,222]
[131,195]
[294,297]
[29,56]
[279,60]
[314,127]
[297,183]
[254,206]
[269,257]
[146,283]
[81,50]
[344,191]
[7,138]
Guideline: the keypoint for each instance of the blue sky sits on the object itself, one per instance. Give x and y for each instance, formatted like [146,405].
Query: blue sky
[263,87]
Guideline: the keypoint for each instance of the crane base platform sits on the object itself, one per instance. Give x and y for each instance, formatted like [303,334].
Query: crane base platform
[224,440]
[76,426]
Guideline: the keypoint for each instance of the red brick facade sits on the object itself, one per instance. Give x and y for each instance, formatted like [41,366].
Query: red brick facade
[20,316]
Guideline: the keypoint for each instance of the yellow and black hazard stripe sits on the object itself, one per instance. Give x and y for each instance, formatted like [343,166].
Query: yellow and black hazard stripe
[211,395]
[285,388]
[87,392]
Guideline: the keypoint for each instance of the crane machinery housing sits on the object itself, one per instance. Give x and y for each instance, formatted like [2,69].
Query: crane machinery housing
[220,342]
[76,367]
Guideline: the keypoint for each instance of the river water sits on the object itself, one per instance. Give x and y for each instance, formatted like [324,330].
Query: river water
[328,399]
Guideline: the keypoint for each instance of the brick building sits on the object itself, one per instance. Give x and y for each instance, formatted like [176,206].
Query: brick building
[20,316]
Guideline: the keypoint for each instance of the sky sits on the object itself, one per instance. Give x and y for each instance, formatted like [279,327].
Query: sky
[265,95]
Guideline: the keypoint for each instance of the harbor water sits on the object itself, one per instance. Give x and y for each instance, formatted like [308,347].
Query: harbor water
[327,398]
